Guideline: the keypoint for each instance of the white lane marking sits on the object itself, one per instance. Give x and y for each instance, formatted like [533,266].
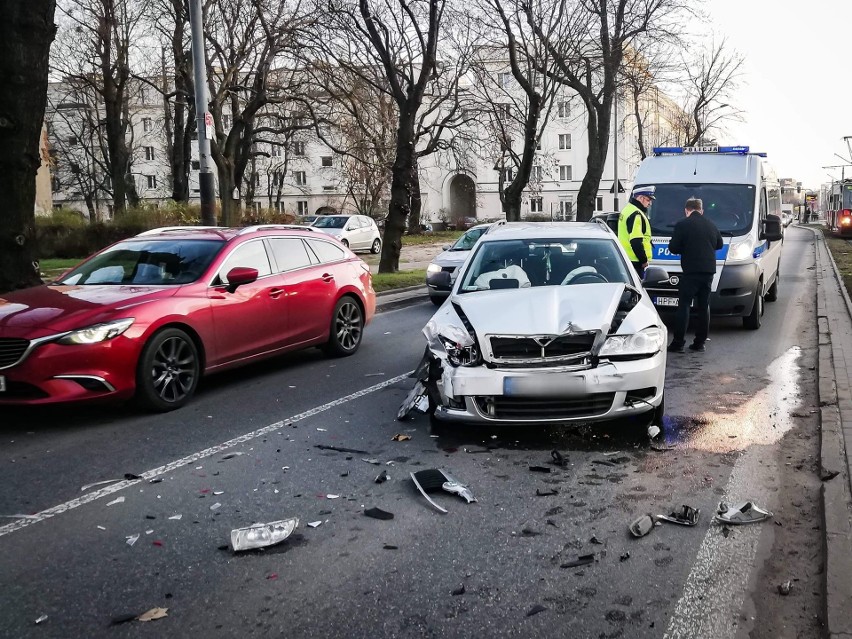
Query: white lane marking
[28,520]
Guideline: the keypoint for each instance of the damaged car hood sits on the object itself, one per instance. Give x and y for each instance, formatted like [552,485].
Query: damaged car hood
[545,310]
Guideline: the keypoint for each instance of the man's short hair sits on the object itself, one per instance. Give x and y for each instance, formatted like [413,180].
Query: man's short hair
[694,204]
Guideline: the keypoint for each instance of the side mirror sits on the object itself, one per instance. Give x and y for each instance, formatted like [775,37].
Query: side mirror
[446,247]
[655,275]
[772,229]
[240,275]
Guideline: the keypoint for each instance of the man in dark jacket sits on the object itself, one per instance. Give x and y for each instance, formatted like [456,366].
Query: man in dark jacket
[696,239]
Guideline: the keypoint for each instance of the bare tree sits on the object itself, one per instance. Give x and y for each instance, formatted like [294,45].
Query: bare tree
[26,33]
[244,40]
[95,49]
[713,76]
[587,40]
[515,86]
[391,46]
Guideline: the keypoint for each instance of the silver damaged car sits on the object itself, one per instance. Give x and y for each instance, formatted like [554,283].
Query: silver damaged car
[547,322]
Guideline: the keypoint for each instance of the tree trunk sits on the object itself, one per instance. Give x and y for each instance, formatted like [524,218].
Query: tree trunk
[231,214]
[512,203]
[598,134]
[26,32]
[416,203]
[402,177]
[640,125]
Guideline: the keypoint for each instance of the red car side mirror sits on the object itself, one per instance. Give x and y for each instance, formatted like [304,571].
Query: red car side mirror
[240,275]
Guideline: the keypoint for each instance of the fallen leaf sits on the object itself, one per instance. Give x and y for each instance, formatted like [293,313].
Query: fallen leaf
[153,613]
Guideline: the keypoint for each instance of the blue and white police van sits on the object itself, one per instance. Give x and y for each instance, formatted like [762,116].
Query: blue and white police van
[742,197]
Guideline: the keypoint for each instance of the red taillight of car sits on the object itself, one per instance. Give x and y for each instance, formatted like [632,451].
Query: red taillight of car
[845,217]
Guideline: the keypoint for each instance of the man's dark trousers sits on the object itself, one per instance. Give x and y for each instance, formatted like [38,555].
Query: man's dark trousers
[693,286]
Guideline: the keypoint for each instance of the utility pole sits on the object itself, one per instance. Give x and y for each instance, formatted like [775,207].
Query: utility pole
[204,118]
[615,184]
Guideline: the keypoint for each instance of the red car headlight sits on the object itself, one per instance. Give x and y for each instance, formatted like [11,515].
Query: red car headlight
[96,333]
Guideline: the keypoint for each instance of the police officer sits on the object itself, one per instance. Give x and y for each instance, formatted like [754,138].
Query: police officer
[634,229]
[696,239]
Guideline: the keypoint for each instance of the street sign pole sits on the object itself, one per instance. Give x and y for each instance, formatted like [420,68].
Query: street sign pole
[203,117]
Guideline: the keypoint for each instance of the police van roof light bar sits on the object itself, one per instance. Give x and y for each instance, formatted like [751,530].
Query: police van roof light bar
[685,150]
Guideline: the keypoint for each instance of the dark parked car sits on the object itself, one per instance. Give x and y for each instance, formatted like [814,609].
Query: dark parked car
[148,316]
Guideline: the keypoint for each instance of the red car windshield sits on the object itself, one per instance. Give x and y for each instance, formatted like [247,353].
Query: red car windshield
[146,262]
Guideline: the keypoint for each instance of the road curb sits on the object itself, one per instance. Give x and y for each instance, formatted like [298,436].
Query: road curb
[399,297]
[835,494]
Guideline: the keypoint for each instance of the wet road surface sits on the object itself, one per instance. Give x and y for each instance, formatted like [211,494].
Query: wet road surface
[740,425]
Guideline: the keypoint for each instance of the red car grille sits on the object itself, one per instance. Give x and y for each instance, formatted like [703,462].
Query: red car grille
[11,350]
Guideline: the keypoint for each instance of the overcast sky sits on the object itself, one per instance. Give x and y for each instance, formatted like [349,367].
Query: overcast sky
[797,93]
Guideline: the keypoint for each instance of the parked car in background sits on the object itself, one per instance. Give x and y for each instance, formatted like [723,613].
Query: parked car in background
[462,223]
[441,273]
[357,232]
[306,220]
[610,218]
[148,316]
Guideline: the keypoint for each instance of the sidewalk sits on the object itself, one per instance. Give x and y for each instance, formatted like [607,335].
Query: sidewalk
[834,317]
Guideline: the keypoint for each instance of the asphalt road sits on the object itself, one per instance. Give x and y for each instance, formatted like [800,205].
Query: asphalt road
[741,425]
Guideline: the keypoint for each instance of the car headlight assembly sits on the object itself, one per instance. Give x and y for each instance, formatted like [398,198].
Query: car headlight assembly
[740,251]
[432,269]
[645,343]
[461,354]
[97,333]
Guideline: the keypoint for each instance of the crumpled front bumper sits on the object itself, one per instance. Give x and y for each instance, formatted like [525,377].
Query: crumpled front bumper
[557,395]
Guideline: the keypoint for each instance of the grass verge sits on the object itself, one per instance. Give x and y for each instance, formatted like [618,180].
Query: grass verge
[54,267]
[447,237]
[390,281]
[841,251]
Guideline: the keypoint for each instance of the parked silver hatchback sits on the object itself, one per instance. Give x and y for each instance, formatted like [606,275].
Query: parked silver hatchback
[358,232]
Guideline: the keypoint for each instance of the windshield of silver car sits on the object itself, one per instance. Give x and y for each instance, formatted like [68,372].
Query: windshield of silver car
[147,262]
[544,262]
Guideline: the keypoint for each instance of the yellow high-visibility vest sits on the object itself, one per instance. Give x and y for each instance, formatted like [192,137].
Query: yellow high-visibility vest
[632,224]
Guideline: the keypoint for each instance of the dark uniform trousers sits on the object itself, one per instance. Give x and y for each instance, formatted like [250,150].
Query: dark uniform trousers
[693,286]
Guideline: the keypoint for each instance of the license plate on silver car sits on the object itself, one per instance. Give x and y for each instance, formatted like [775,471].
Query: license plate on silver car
[2,384]
[666,301]
[544,386]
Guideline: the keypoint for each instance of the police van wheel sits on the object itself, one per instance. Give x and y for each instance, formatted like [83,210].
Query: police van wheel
[772,293]
[752,320]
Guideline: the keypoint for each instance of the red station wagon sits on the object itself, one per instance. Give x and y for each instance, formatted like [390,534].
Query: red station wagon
[147,316]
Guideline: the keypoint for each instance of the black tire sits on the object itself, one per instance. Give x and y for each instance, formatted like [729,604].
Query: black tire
[347,328]
[437,301]
[752,320]
[376,247]
[168,371]
[772,293]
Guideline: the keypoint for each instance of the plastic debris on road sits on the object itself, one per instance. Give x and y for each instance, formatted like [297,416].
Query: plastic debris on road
[783,589]
[263,535]
[641,526]
[688,516]
[341,449]
[375,462]
[153,614]
[417,399]
[332,496]
[582,560]
[653,431]
[399,437]
[132,539]
[539,469]
[378,513]
[558,459]
[41,619]
[175,517]
[745,513]
[117,500]
[434,479]
[382,477]
[315,524]
[230,456]
[216,506]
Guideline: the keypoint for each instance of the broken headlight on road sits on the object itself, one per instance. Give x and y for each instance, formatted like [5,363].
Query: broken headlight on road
[645,343]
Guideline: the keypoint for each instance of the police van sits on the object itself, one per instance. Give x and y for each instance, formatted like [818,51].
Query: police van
[742,197]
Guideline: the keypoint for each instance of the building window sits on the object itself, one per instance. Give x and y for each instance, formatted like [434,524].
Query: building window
[196,165]
[147,125]
[538,145]
[599,204]
[73,140]
[508,174]
[152,181]
[503,79]
[328,187]
[536,173]
[276,151]
[149,152]
[56,184]
[227,120]
[255,178]
[536,205]
[564,141]
[302,207]
[563,109]
[278,179]
[326,160]
[504,110]
[301,179]
[565,173]
[566,210]
[256,206]
[143,95]
[298,148]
